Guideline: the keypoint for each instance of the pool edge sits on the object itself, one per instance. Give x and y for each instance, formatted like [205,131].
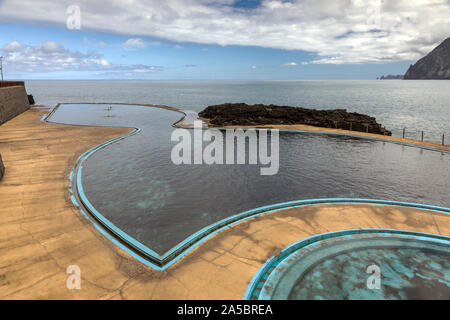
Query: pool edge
[162,262]
[270,265]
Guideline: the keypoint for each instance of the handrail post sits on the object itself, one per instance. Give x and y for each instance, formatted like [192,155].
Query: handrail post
[422,136]
[404,129]
[1,66]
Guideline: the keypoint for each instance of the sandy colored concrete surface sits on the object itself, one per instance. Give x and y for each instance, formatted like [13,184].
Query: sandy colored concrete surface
[42,233]
[303,127]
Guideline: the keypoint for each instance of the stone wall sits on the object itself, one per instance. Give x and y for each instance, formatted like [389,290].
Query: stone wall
[2,168]
[4,84]
[13,101]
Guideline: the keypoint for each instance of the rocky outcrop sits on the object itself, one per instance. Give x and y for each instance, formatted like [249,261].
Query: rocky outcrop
[31,100]
[241,114]
[435,65]
[392,77]
[2,168]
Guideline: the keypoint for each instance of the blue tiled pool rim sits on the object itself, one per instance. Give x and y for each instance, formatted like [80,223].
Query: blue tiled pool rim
[161,262]
[256,284]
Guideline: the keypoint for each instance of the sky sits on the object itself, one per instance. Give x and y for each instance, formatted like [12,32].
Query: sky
[217,39]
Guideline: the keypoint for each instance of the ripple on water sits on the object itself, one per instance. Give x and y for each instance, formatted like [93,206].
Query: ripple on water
[134,184]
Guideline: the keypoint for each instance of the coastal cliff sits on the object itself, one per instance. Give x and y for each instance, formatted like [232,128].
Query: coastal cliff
[241,114]
[435,65]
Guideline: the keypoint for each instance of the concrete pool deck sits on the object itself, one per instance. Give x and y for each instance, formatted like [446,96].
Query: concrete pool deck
[42,232]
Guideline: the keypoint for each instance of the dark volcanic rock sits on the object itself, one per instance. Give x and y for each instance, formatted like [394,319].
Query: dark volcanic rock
[31,99]
[435,65]
[241,114]
[392,77]
[2,168]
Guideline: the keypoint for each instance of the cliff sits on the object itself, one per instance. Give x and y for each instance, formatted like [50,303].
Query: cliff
[241,114]
[435,65]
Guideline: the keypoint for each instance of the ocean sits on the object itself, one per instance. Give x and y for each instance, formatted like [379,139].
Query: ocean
[397,104]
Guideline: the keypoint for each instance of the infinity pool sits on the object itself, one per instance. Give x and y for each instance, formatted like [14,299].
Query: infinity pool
[134,184]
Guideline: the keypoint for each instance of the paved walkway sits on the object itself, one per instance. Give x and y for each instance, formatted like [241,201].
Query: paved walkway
[304,127]
[42,233]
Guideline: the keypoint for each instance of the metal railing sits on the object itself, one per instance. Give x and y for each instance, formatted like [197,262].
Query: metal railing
[422,135]
[414,134]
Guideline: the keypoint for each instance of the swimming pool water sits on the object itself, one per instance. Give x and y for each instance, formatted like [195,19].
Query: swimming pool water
[134,184]
[346,267]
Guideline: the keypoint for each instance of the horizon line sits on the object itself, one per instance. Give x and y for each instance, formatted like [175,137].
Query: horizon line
[325,79]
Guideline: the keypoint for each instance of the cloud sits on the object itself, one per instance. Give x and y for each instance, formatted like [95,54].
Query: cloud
[135,43]
[94,42]
[338,32]
[12,47]
[51,56]
[290,64]
[144,69]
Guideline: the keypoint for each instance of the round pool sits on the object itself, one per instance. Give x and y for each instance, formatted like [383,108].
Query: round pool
[358,264]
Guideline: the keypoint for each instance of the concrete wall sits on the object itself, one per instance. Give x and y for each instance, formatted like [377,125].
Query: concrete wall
[11,84]
[13,101]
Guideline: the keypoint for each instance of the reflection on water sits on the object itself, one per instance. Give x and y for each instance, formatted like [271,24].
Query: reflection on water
[406,273]
[134,184]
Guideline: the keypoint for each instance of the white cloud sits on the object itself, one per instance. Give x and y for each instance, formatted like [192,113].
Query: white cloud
[290,64]
[135,43]
[48,56]
[12,46]
[145,69]
[94,42]
[345,31]
[51,56]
